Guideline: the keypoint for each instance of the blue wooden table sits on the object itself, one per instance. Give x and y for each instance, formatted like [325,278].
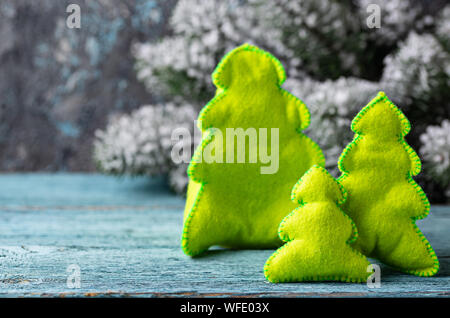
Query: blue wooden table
[124,236]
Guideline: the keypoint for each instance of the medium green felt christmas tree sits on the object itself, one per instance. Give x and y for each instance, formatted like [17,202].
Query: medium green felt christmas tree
[318,234]
[384,201]
[239,191]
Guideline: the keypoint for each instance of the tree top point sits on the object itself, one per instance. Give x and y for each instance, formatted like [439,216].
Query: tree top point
[317,184]
[382,118]
[248,62]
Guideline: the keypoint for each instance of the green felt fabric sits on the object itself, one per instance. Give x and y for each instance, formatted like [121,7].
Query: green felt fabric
[318,236]
[384,201]
[234,204]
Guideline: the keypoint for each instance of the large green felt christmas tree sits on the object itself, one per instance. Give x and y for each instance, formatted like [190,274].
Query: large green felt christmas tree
[239,192]
[318,234]
[384,201]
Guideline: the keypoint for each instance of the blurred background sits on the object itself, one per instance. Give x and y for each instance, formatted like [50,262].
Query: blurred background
[107,96]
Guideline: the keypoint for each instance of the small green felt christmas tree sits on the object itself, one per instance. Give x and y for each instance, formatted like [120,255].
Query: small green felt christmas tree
[384,201]
[239,191]
[318,236]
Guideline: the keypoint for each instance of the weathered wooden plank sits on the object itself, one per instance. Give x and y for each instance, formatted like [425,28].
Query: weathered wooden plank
[80,190]
[125,235]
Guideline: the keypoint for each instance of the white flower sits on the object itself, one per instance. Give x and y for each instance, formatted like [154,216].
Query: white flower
[417,71]
[436,151]
[443,25]
[203,31]
[332,104]
[141,143]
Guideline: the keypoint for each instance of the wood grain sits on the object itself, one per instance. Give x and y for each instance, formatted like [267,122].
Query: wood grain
[124,234]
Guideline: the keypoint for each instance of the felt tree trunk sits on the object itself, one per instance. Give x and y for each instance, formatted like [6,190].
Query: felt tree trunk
[318,234]
[384,200]
[240,204]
